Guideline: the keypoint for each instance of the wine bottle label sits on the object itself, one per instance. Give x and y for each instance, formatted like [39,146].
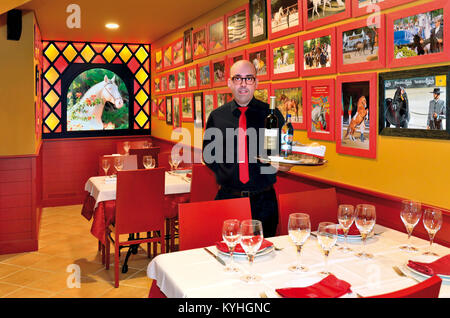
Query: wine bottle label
[270,138]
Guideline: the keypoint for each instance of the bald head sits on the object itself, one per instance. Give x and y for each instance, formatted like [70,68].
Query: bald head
[237,66]
[242,92]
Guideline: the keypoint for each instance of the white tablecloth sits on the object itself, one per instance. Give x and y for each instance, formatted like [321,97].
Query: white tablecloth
[194,273]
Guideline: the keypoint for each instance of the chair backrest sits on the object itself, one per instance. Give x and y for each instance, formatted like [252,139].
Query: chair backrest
[134,144]
[203,183]
[129,163]
[321,205]
[200,223]
[429,288]
[141,152]
[140,201]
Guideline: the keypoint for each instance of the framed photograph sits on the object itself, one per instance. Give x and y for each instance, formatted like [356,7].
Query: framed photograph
[181,79]
[176,114]
[317,12]
[415,103]
[234,57]
[220,72]
[223,96]
[154,107]
[290,99]
[192,77]
[177,52]
[258,20]
[161,103]
[419,35]
[187,46]
[199,43]
[237,27]
[167,57]
[262,92]
[164,84]
[187,104]
[158,61]
[363,7]
[361,46]
[320,109]
[157,84]
[216,36]
[284,59]
[209,104]
[169,110]
[356,98]
[259,56]
[198,110]
[317,51]
[285,17]
[171,82]
[204,72]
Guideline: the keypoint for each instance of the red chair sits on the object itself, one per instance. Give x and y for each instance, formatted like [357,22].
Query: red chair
[203,184]
[139,209]
[200,223]
[141,152]
[129,163]
[429,288]
[321,205]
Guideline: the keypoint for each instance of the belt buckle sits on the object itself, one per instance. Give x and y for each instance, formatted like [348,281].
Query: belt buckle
[245,193]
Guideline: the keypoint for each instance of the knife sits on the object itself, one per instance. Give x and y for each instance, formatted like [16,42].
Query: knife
[221,261]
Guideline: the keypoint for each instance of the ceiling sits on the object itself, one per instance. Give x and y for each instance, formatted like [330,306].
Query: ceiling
[141,21]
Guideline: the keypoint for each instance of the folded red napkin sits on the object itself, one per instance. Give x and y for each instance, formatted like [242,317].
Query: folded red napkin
[439,266]
[223,247]
[329,287]
[189,175]
[352,231]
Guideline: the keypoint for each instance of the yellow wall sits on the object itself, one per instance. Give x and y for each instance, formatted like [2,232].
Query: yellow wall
[411,168]
[17,114]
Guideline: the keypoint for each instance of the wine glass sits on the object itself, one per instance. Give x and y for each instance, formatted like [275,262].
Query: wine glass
[299,228]
[365,221]
[410,215]
[126,146]
[176,161]
[147,144]
[251,240]
[432,221]
[327,237]
[118,163]
[346,217]
[148,162]
[105,166]
[231,235]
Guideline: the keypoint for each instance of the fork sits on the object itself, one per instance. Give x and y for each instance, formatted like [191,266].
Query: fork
[403,274]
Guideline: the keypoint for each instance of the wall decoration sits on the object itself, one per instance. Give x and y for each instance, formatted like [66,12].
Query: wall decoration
[234,57]
[187,102]
[285,17]
[158,61]
[317,12]
[177,52]
[176,111]
[237,27]
[284,59]
[167,57]
[223,96]
[171,82]
[157,84]
[216,36]
[259,56]
[181,79]
[199,43]
[169,110]
[205,74]
[363,7]
[290,99]
[198,110]
[320,109]
[154,107]
[220,71]
[356,114]
[317,51]
[415,103]
[192,77]
[262,92]
[209,104]
[164,83]
[258,20]
[161,103]
[419,35]
[361,46]
[187,46]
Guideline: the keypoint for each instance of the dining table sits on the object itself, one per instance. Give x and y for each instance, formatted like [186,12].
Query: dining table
[195,273]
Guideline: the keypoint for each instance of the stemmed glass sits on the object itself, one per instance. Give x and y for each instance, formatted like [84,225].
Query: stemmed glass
[118,163]
[346,217]
[251,240]
[365,221]
[147,144]
[299,228]
[410,215]
[148,162]
[126,146]
[105,166]
[327,237]
[231,235]
[432,221]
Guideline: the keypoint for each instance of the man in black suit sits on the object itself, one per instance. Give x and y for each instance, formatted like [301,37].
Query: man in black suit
[437,38]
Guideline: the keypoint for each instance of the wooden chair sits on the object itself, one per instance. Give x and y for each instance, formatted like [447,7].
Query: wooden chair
[321,205]
[200,223]
[129,163]
[141,152]
[139,209]
[429,288]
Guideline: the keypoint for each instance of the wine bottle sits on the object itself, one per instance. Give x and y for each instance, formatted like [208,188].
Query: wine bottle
[287,135]
[271,130]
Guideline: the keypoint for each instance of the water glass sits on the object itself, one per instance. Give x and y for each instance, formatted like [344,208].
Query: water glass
[365,221]
[299,228]
[432,221]
[105,166]
[410,215]
[251,240]
[231,235]
[346,217]
[126,146]
[118,163]
[327,237]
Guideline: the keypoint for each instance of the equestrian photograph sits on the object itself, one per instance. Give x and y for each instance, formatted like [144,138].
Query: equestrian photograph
[318,9]
[289,101]
[317,53]
[284,59]
[360,45]
[284,14]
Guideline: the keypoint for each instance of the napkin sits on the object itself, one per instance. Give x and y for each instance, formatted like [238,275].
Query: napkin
[223,247]
[352,231]
[329,287]
[439,266]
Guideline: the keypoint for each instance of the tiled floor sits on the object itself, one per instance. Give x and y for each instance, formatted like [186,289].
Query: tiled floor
[65,244]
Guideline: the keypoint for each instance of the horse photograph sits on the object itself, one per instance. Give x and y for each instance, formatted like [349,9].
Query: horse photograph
[289,101]
[317,53]
[360,45]
[262,94]
[97,99]
[318,9]
[259,60]
[284,59]
[284,14]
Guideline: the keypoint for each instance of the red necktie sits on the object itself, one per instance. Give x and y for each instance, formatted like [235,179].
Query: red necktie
[242,144]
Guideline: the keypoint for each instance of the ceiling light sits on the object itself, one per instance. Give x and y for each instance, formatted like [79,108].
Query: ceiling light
[112,26]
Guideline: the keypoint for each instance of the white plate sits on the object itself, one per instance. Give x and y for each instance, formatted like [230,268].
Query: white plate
[262,252]
[444,277]
[282,160]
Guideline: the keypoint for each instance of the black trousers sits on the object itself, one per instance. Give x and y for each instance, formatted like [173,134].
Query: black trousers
[264,207]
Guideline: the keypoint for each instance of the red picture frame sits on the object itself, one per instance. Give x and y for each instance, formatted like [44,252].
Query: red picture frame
[193,83]
[250,55]
[331,52]
[320,123]
[171,82]
[380,40]
[290,105]
[189,115]
[206,99]
[161,105]
[167,57]
[213,47]
[308,25]
[176,103]
[181,88]
[280,66]
[154,110]
[158,66]
[220,71]
[375,8]
[266,87]
[177,53]
[199,43]
[157,85]
[234,57]
[273,34]
[442,56]
[227,93]
[164,83]
[358,84]
[205,75]
[229,41]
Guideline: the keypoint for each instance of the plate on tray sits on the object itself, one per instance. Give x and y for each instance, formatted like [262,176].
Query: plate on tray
[290,163]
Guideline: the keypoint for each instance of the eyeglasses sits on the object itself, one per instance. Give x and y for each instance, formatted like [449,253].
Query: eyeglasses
[248,80]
